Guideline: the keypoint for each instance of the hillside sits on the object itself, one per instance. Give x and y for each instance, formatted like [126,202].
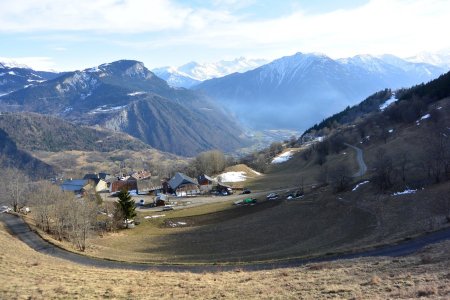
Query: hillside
[424,275]
[126,97]
[36,132]
[294,92]
[404,105]
[13,157]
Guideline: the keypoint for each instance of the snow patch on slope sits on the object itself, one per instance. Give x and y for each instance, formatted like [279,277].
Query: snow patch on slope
[388,102]
[232,177]
[283,157]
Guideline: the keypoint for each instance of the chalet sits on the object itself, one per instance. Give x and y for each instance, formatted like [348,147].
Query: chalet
[96,181]
[206,183]
[183,185]
[77,186]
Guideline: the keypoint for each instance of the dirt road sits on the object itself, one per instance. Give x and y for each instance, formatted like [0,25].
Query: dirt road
[360,159]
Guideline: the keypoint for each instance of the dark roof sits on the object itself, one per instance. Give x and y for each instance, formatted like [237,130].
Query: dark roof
[204,176]
[90,176]
[104,176]
[224,185]
[180,179]
[73,185]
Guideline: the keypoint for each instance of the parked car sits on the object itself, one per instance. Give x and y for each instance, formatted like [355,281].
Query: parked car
[5,209]
[247,201]
[246,191]
[294,195]
[272,196]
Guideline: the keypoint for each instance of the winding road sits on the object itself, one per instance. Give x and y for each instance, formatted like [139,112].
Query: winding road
[359,158]
[17,227]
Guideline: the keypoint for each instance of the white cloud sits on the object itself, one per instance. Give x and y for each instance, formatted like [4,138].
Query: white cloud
[36,63]
[100,15]
[401,27]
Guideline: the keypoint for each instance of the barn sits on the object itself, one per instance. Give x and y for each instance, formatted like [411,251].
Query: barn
[183,185]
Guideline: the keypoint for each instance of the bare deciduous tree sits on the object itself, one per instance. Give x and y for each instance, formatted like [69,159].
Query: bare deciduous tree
[13,188]
[340,177]
[383,170]
[210,162]
[43,196]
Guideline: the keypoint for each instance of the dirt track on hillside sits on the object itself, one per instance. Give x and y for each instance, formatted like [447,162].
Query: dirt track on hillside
[360,159]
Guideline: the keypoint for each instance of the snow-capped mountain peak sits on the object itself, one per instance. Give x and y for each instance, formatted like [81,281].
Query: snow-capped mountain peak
[441,58]
[193,72]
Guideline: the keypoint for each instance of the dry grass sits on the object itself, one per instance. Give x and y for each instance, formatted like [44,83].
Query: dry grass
[78,163]
[26,274]
[221,232]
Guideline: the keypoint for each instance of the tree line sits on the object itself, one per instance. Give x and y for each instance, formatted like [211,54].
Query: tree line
[62,214]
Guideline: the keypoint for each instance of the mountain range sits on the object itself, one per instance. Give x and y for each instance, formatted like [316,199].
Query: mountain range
[440,58]
[294,92]
[124,96]
[193,73]
[14,77]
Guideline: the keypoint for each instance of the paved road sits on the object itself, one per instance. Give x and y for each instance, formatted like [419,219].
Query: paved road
[20,229]
[359,158]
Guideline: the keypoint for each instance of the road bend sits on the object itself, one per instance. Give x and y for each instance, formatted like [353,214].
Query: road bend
[17,227]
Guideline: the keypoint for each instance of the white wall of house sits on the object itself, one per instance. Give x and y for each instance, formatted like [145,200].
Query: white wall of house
[101,186]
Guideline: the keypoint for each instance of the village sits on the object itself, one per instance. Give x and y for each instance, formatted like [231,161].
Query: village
[151,192]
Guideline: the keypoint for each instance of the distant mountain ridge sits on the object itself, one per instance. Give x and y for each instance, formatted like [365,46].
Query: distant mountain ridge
[14,77]
[193,73]
[115,95]
[440,58]
[297,91]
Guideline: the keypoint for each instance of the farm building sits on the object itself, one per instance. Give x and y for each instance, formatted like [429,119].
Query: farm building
[183,185]
[96,181]
[130,184]
[206,183]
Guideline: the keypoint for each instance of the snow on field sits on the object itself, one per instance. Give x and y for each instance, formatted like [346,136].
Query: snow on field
[283,157]
[405,192]
[388,102]
[232,177]
[154,216]
[359,184]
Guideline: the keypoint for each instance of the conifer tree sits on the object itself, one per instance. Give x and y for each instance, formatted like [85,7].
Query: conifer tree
[126,206]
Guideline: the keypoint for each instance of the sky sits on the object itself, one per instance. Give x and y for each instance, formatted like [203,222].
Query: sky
[67,35]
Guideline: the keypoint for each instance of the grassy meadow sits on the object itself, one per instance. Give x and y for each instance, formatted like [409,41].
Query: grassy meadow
[26,274]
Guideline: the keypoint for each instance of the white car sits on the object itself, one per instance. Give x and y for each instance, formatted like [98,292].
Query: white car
[4,209]
[272,196]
